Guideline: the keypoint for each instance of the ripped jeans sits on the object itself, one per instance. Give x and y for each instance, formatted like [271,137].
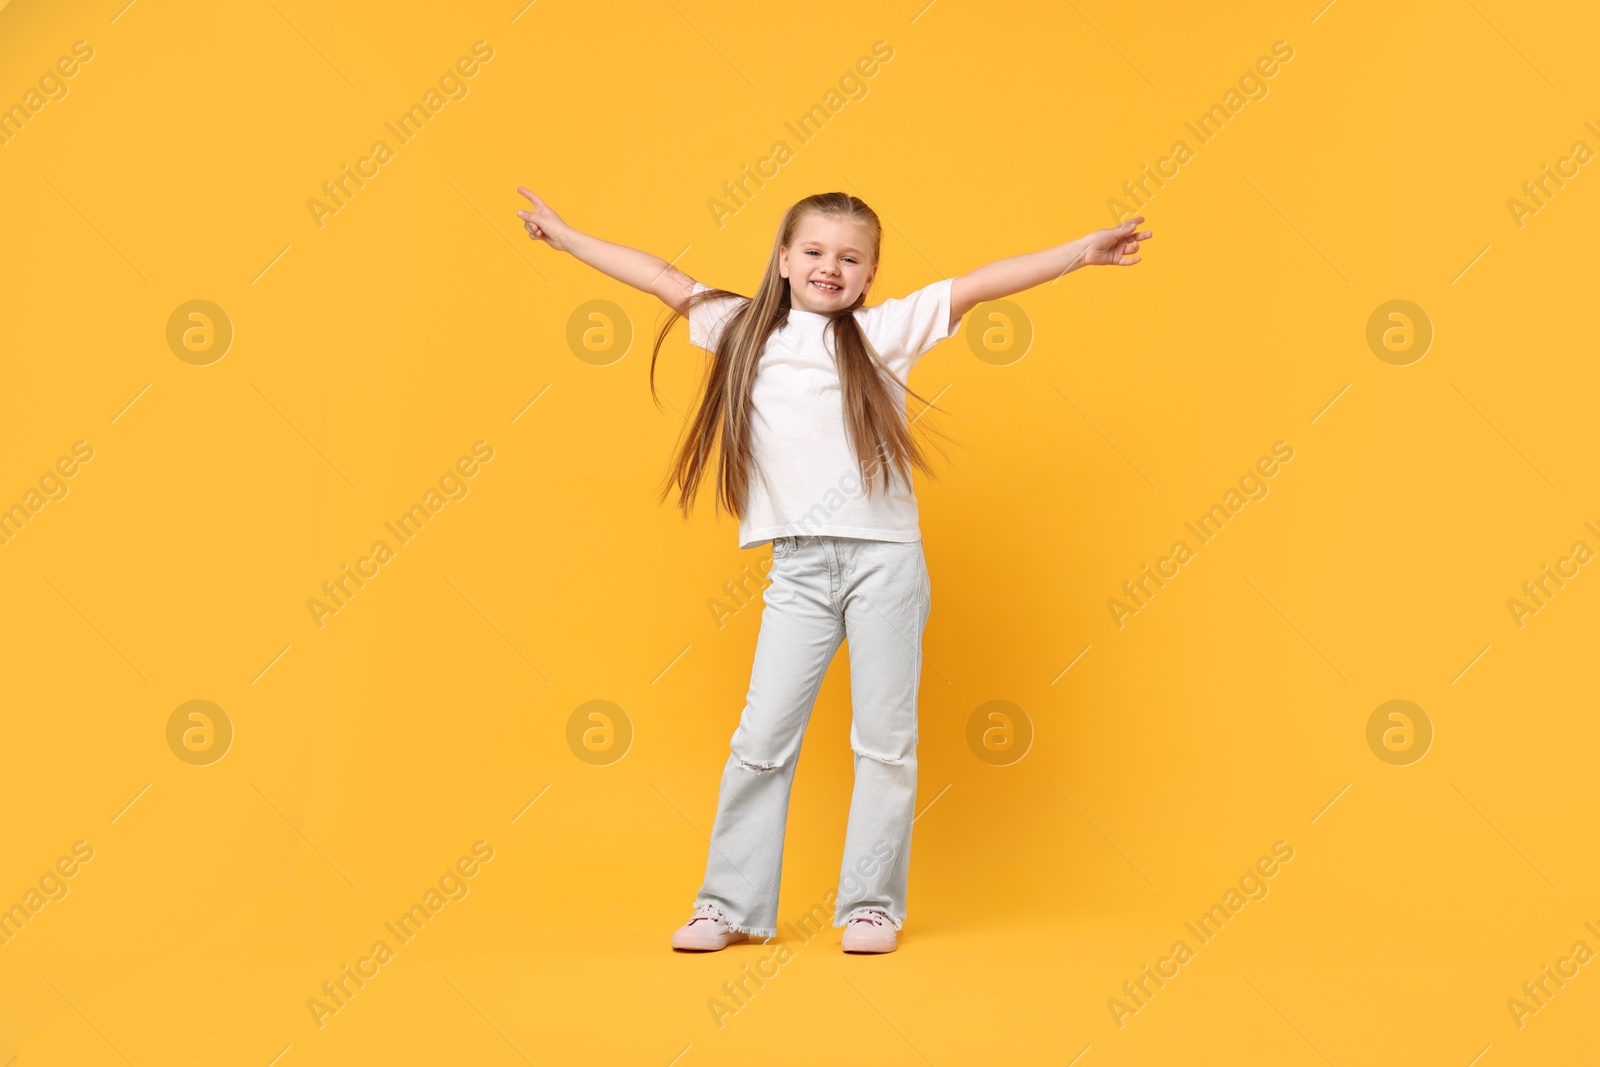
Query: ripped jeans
[823,590]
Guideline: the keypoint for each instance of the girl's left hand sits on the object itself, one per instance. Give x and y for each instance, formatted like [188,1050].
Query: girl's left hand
[1112,247]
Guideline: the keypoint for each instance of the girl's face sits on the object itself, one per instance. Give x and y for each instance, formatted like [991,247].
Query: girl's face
[827,263]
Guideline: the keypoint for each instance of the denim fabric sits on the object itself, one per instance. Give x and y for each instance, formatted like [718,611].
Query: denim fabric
[823,590]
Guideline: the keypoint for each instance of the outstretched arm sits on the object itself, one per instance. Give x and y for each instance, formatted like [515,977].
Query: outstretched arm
[1111,247]
[643,271]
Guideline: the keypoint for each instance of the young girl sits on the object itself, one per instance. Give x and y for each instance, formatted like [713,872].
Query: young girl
[807,392]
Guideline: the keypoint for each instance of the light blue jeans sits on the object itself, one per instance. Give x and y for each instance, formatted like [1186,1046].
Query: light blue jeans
[823,590]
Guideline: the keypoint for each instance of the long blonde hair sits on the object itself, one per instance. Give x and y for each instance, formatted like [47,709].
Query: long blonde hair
[874,418]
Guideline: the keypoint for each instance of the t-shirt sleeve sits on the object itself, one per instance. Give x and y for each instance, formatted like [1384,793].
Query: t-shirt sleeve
[707,320]
[904,329]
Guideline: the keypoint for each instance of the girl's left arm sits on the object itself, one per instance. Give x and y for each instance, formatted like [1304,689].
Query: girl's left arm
[1003,277]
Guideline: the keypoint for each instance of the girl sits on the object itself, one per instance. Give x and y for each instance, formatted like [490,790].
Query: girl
[807,392]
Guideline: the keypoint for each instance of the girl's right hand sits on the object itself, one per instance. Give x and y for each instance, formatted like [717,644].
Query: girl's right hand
[543,224]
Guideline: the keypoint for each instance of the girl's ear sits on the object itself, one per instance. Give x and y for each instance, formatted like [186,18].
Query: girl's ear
[783,262]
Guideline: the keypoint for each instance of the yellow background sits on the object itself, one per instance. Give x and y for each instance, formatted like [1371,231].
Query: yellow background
[370,353]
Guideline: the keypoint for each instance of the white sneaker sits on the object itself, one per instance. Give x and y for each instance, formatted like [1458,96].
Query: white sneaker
[869,931]
[707,931]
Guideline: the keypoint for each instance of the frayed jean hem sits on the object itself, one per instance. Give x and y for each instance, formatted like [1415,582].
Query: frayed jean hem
[753,932]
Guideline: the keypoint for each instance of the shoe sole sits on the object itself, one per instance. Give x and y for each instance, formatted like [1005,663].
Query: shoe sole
[718,946]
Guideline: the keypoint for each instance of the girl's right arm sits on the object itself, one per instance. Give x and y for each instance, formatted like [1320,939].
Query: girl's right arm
[645,272]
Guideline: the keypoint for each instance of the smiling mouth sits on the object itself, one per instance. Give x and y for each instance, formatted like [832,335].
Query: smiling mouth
[826,288]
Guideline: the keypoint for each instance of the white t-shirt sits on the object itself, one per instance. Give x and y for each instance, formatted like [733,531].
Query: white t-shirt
[806,479]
